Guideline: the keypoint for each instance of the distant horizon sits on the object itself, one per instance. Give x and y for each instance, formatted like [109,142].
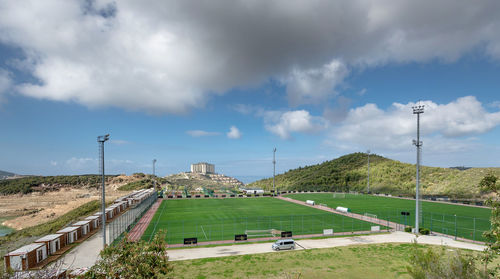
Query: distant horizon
[246,179]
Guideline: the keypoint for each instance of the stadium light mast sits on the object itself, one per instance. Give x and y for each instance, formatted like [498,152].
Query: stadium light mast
[154,176]
[101,140]
[368,178]
[418,110]
[274,171]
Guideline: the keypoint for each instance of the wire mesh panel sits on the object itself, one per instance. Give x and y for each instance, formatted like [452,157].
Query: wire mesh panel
[125,222]
[259,226]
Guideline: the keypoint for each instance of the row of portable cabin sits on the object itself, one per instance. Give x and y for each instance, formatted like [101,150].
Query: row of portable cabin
[31,255]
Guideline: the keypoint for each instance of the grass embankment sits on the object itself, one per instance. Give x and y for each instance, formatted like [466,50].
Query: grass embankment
[363,261]
[221,219]
[349,173]
[28,235]
[387,208]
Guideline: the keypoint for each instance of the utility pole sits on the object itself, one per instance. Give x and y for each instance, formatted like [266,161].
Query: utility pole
[274,171]
[154,176]
[418,110]
[368,179]
[101,140]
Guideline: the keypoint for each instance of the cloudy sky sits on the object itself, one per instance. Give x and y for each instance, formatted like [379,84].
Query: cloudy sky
[227,81]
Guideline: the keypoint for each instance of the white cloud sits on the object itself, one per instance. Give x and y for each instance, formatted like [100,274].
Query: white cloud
[443,126]
[82,164]
[286,123]
[312,86]
[171,56]
[201,133]
[234,133]
[53,163]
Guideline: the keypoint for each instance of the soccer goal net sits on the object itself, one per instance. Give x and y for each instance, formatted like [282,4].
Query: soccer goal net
[339,195]
[262,233]
[370,215]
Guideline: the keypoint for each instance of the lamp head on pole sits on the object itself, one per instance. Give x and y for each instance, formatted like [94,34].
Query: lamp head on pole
[418,109]
[103,138]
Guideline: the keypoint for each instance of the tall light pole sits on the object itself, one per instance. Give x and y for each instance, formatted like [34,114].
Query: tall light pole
[101,140]
[274,171]
[154,176]
[368,178]
[418,110]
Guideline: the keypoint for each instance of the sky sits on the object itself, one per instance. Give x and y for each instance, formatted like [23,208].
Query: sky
[225,82]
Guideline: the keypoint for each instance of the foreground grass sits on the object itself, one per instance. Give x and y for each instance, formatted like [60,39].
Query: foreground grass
[363,261]
[221,219]
[387,208]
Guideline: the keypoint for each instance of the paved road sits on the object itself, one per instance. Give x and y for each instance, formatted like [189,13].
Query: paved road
[394,237]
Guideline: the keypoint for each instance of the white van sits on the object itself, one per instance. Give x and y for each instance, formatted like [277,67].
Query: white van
[283,244]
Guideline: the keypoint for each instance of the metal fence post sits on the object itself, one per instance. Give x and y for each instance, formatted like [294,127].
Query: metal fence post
[455,226]
[474,231]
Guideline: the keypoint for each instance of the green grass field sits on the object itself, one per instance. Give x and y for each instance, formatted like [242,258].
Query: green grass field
[221,219]
[439,217]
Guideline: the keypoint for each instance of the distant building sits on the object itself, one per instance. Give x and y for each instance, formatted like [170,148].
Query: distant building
[202,168]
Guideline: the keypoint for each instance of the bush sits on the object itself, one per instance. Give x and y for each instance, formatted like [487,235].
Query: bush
[424,231]
[408,229]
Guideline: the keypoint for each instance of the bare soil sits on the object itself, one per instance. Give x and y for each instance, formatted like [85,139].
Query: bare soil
[38,207]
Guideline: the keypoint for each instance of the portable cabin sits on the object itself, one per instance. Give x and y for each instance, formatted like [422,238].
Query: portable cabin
[116,209]
[122,205]
[94,221]
[109,213]
[53,242]
[70,234]
[26,257]
[84,225]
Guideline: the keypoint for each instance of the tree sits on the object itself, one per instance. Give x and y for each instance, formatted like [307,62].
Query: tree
[490,186]
[130,259]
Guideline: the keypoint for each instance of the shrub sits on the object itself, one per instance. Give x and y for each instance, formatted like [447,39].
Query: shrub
[424,231]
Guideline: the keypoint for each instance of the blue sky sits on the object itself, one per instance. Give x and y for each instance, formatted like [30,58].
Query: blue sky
[227,82]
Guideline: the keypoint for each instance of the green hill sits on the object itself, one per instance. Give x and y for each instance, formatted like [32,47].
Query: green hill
[47,183]
[349,173]
[5,174]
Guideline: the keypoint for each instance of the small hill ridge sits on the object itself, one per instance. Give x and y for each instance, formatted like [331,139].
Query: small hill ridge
[349,173]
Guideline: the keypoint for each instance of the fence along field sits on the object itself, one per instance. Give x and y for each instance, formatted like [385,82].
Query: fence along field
[221,219]
[456,220]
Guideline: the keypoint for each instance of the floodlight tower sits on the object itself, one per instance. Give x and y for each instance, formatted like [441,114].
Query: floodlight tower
[418,110]
[101,140]
[274,171]
[154,176]
[368,178]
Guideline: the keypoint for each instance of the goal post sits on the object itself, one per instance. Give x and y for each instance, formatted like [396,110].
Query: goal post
[369,215]
[262,233]
[339,195]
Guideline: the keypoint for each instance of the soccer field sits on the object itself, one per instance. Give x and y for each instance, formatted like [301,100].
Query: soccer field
[469,222]
[221,219]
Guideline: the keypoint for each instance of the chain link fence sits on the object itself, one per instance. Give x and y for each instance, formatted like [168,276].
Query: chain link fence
[126,221]
[226,229]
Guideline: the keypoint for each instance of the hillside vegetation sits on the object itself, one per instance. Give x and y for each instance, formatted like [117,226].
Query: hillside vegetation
[349,173]
[30,184]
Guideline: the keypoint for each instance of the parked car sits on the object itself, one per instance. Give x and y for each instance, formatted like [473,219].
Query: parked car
[283,244]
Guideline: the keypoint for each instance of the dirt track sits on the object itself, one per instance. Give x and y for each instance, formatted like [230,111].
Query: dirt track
[37,208]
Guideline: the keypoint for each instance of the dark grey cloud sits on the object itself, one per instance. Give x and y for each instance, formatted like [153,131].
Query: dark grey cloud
[171,56]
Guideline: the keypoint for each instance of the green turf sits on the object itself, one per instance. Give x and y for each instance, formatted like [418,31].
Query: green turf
[221,219]
[439,217]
